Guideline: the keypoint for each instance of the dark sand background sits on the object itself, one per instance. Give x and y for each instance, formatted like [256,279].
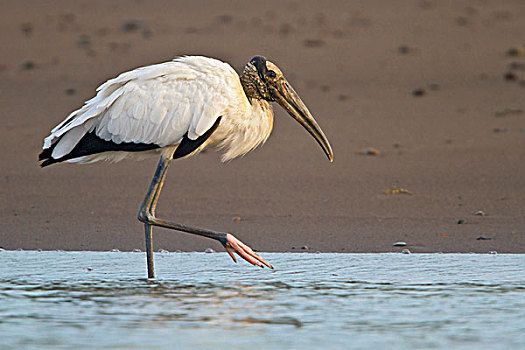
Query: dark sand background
[459,148]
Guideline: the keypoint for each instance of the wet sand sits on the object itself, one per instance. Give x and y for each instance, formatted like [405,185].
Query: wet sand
[435,87]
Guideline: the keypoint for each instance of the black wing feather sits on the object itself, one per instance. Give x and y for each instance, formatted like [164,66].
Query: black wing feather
[92,144]
[186,146]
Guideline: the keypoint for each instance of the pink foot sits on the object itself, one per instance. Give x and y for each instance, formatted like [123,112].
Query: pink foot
[243,251]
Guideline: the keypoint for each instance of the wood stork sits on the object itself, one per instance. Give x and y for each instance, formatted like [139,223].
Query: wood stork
[176,109]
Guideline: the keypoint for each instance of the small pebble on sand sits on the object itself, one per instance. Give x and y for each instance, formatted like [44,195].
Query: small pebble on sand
[28,65]
[405,50]
[84,42]
[209,250]
[481,238]
[397,190]
[313,42]
[225,18]
[236,219]
[419,92]
[130,26]
[406,251]
[399,244]
[285,29]
[493,252]
[136,250]
[509,76]
[461,221]
[479,213]
[114,250]
[507,112]
[462,21]
[27,28]
[163,251]
[371,151]
[514,52]
[147,32]
[517,66]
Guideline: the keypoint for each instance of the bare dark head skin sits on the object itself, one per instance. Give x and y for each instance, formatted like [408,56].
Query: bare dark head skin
[262,79]
[255,77]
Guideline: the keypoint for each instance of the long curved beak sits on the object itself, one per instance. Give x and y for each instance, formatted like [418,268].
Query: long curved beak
[286,96]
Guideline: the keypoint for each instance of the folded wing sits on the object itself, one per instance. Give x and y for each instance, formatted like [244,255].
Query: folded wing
[155,105]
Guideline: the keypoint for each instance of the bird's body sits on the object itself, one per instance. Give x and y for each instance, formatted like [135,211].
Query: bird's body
[176,109]
[156,106]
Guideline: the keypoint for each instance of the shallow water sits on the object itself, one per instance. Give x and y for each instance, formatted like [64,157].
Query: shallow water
[93,300]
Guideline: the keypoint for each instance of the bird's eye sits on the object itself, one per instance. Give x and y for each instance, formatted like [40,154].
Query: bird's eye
[271,74]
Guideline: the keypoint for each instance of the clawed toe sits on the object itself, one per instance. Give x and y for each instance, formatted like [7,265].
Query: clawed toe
[234,245]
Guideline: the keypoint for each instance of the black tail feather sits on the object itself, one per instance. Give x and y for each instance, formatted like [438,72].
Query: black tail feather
[46,153]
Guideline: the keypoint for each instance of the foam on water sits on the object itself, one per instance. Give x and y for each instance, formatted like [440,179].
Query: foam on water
[93,300]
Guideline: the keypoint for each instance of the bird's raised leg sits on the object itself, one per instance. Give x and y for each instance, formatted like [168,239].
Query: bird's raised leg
[147,216]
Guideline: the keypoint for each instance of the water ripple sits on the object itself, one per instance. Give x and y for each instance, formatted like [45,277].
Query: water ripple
[202,300]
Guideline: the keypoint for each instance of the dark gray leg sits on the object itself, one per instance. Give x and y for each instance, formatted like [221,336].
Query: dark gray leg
[147,216]
[149,250]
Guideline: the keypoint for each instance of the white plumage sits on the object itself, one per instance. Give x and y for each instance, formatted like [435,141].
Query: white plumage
[159,104]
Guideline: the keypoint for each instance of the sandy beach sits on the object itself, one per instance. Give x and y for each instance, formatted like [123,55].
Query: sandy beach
[423,102]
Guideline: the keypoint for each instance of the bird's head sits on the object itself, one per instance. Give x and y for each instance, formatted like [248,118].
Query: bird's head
[262,79]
